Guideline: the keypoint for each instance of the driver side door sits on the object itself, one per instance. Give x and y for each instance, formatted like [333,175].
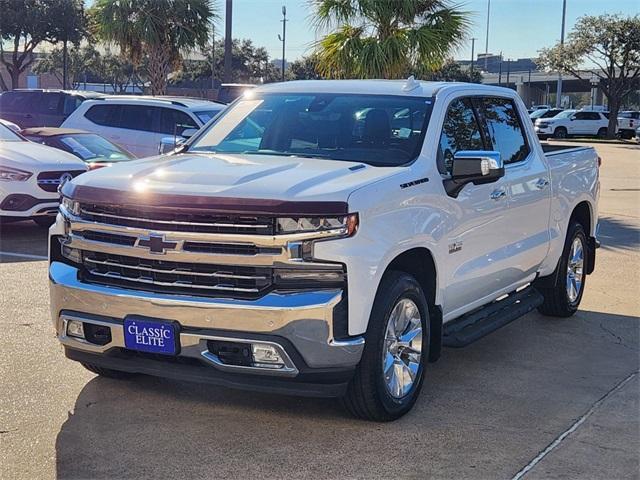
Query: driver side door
[479,214]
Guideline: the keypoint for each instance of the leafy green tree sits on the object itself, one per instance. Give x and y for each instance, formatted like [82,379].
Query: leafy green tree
[612,44]
[119,72]
[81,60]
[386,39]
[249,64]
[160,30]
[453,72]
[26,24]
[305,68]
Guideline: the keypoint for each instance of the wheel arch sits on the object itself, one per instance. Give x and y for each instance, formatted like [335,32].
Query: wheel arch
[420,263]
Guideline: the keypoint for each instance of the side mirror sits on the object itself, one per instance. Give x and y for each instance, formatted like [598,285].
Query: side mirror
[473,166]
[189,132]
[169,144]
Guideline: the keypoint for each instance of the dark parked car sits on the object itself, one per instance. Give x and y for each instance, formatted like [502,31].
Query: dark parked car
[41,108]
[542,113]
[95,150]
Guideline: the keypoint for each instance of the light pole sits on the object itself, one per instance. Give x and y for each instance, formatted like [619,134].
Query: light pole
[283,38]
[473,45]
[559,89]
[213,54]
[228,40]
[486,43]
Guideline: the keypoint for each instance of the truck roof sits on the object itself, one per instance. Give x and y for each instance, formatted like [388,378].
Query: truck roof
[408,87]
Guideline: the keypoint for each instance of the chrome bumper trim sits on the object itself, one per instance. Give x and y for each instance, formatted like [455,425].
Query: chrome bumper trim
[191,345]
[303,318]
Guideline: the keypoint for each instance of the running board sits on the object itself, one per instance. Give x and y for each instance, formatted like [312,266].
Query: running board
[473,326]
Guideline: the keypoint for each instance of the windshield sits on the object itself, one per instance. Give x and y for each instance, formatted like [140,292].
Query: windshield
[538,113]
[633,115]
[93,147]
[8,135]
[565,114]
[375,129]
[206,115]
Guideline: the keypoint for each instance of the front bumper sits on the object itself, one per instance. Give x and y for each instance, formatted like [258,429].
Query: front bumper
[300,324]
[543,130]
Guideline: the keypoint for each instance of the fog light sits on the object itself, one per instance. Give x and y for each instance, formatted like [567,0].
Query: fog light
[266,356]
[72,254]
[75,329]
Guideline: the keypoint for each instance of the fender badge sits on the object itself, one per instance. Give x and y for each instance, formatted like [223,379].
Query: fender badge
[455,247]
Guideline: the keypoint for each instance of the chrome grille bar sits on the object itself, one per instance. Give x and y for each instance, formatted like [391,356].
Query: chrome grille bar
[176,222]
[175,270]
[149,281]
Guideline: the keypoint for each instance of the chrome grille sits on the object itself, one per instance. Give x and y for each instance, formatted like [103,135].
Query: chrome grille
[175,277]
[159,219]
[50,181]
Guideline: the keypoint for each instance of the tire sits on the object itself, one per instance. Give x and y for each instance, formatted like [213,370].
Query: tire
[602,133]
[560,132]
[44,222]
[627,134]
[107,372]
[369,393]
[557,300]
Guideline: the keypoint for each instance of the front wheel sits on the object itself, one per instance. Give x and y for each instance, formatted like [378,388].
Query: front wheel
[389,377]
[560,132]
[563,299]
[602,133]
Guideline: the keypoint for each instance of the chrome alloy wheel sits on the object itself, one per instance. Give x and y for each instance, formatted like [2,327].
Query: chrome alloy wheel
[575,270]
[402,348]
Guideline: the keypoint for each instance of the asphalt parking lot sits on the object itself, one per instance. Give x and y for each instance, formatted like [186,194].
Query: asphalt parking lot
[542,397]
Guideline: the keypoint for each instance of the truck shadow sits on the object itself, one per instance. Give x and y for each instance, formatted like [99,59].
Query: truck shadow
[512,392]
[23,237]
[616,233]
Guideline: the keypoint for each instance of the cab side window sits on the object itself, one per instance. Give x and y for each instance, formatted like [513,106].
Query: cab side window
[504,128]
[460,131]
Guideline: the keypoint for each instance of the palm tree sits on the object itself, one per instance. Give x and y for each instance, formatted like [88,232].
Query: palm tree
[160,30]
[386,38]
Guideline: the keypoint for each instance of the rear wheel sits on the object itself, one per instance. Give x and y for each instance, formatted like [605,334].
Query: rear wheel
[389,377]
[602,133]
[563,299]
[560,132]
[107,372]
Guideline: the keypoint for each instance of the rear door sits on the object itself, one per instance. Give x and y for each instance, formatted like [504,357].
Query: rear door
[526,232]
[476,263]
[48,108]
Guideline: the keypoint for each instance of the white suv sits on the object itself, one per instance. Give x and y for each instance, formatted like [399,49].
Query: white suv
[139,124]
[572,122]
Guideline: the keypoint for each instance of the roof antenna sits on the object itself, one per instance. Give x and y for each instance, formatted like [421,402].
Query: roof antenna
[411,84]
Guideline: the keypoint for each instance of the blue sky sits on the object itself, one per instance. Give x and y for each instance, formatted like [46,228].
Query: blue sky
[517,27]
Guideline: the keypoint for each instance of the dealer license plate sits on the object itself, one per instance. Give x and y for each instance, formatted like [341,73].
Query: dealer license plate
[150,336]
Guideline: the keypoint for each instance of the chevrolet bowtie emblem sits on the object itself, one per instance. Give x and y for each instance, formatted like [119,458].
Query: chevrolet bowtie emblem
[156,244]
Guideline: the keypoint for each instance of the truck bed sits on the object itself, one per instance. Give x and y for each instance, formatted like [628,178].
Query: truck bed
[555,149]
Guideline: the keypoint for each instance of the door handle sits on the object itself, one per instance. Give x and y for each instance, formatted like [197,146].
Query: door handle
[542,183]
[498,194]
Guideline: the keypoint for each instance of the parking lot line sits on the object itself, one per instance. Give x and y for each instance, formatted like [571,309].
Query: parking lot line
[553,445]
[23,255]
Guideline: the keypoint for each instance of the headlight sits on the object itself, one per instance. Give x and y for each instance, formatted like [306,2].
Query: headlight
[309,278]
[342,226]
[8,174]
[71,206]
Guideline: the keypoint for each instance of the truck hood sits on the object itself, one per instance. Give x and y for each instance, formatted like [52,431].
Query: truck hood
[235,176]
[29,155]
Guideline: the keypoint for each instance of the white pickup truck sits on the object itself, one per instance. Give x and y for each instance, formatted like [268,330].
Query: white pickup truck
[324,238]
